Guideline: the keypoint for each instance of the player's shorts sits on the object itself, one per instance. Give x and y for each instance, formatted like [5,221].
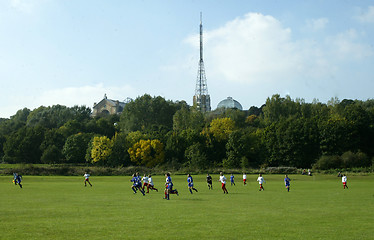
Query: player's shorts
[344,183]
[287,184]
[169,186]
[223,185]
[244,180]
[190,184]
[209,182]
[145,184]
[86,179]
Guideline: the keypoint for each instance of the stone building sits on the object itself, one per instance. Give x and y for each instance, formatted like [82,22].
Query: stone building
[108,106]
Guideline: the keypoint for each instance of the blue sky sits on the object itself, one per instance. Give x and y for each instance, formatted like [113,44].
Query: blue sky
[74,52]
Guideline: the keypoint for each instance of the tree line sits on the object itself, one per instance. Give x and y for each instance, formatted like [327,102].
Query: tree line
[152,131]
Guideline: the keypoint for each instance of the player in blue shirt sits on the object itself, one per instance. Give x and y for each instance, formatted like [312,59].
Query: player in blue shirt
[287,183]
[232,179]
[17,179]
[137,183]
[190,183]
[169,187]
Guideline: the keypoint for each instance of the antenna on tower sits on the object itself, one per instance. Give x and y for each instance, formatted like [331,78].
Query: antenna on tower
[201,100]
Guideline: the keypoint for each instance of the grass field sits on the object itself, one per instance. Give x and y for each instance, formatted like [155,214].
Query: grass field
[317,207]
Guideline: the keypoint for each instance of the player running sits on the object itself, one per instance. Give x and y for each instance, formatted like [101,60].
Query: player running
[244,178]
[287,183]
[169,187]
[17,179]
[190,183]
[222,179]
[261,181]
[344,181]
[209,181]
[137,184]
[232,179]
[150,184]
[87,179]
[145,182]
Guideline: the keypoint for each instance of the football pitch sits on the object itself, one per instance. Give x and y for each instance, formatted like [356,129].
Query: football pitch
[317,207]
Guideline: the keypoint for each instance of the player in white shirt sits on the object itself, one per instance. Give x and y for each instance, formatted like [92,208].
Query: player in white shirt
[244,178]
[222,179]
[150,184]
[344,181]
[87,179]
[260,181]
[145,181]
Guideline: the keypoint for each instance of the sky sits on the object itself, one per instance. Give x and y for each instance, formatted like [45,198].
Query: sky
[73,52]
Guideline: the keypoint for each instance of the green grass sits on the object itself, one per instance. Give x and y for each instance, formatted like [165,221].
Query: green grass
[61,208]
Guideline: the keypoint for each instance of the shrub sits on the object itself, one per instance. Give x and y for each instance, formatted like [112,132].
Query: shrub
[328,162]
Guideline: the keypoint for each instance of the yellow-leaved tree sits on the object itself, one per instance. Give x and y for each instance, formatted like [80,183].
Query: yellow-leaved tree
[221,128]
[147,152]
[101,149]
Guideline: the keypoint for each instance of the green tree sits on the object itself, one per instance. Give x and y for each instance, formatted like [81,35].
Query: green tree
[75,147]
[196,156]
[146,112]
[23,146]
[119,155]
[51,154]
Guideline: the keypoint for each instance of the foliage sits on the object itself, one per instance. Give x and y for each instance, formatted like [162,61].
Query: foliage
[221,128]
[281,133]
[101,149]
[146,112]
[75,147]
[147,152]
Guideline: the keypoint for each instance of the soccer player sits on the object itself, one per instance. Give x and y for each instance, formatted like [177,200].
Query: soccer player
[287,183]
[190,183]
[260,181]
[86,179]
[209,181]
[150,184]
[137,184]
[145,182]
[232,179]
[344,181]
[222,179]
[17,179]
[244,178]
[169,187]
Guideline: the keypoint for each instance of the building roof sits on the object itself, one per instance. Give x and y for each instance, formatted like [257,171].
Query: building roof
[229,102]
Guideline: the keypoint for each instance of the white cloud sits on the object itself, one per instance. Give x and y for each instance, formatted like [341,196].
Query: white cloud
[367,16]
[69,96]
[317,24]
[22,5]
[347,45]
[85,95]
[259,49]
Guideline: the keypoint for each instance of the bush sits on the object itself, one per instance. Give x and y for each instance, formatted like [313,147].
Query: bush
[351,160]
[328,162]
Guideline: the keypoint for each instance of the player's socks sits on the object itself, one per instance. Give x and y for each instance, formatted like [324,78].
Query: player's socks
[133,189]
[194,189]
[190,190]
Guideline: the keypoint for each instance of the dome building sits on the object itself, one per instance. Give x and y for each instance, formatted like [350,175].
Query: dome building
[229,102]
